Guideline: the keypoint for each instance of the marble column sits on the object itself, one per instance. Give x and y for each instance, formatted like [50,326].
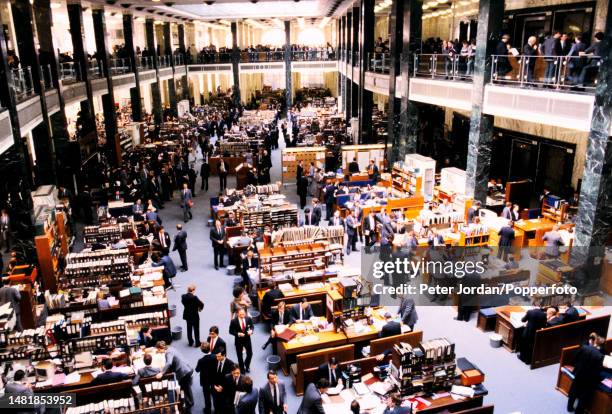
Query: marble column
[594,220]
[183,49]
[155,93]
[366,48]
[128,35]
[339,59]
[411,44]
[349,67]
[355,60]
[79,55]
[171,81]
[342,61]
[235,65]
[288,83]
[490,18]
[113,149]
[396,22]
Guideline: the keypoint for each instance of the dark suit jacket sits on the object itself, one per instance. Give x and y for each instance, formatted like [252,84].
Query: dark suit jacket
[266,401]
[235,328]
[276,318]
[230,388]
[219,378]
[316,215]
[506,235]
[408,312]
[268,301]
[587,366]
[353,167]
[312,403]
[323,372]
[192,307]
[217,236]
[571,315]
[391,328]
[166,238]
[536,319]
[180,240]
[245,265]
[295,313]
[248,402]
[108,377]
[206,366]
[219,345]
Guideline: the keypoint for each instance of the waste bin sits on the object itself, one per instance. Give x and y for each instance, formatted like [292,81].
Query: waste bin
[495,340]
[177,333]
[273,362]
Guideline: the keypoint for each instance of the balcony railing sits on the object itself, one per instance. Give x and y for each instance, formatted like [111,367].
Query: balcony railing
[440,66]
[145,62]
[322,54]
[378,62]
[212,58]
[262,56]
[164,61]
[69,72]
[120,66]
[577,73]
[21,82]
[178,60]
[94,69]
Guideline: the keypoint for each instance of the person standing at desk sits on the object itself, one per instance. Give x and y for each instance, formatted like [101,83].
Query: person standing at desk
[223,171]
[553,241]
[373,171]
[180,244]
[390,328]
[191,314]
[249,262]
[241,328]
[206,368]
[331,372]
[588,364]
[312,402]
[301,311]
[169,268]
[507,211]
[353,167]
[182,370]
[217,237]
[269,299]
[536,320]
[407,311]
[473,211]
[506,236]
[273,396]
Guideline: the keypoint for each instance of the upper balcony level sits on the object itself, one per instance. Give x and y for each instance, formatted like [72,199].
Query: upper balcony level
[550,90]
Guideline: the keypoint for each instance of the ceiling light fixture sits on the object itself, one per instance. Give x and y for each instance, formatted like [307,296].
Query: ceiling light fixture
[55,5]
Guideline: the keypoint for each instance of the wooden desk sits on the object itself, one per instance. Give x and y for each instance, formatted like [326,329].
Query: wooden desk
[288,350]
[503,326]
[534,230]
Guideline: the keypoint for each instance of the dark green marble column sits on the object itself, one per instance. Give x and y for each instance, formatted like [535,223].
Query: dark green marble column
[183,49]
[593,224]
[396,22]
[171,81]
[113,149]
[349,67]
[411,44]
[235,65]
[288,79]
[366,48]
[128,35]
[490,17]
[342,62]
[156,96]
[355,61]
[23,22]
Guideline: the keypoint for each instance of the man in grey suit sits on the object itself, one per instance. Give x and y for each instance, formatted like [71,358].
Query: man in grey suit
[181,369]
[247,402]
[186,203]
[553,241]
[408,313]
[146,371]
[272,396]
[19,386]
[180,244]
[312,403]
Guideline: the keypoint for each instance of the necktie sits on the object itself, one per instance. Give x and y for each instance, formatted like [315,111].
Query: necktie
[220,367]
[242,324]
[280,318]
[212,344]
[162,239]
[332,376]
[275,395]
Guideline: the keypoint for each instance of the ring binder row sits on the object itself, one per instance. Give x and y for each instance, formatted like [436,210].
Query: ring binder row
[307,234]
[423,369]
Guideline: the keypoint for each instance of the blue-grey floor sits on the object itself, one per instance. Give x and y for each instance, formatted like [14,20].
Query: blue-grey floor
[513,387]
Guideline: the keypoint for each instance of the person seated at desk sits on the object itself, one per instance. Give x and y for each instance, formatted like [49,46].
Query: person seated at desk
[435,239]
[231,221]
[473,211]
[249,262]
[138,210]
[553,318]
[312,402]
[151,215]
[571,314]
[353,167]
[301,311]
[394,405]
[145,337]
[331,372]
[390,328]
[511,263]
[108,376]
[103,301]
[279,317]
[147,371]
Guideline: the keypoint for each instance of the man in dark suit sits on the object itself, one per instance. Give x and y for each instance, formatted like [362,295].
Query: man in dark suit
[269,299]
[506,236]
[169,268]
[273,396]
[191,314]
[331,372]
[205,174]
[390,328]
[231,386]
[330,189]
[336,219]
[223,171]
[249,262]
[408,313]
[217,344]
[369,230]
[206,367]
[247,402]
[279,317]
[301,311]
[312,403]
[315,213]
[394,405]
[180,244]
[373,171]
[223,367]
[299,171]
[352,229]
[353,166]
[571,314]
[241,328]
[536,320]
[217,237]
[108,376]
[163,238]
[588,364]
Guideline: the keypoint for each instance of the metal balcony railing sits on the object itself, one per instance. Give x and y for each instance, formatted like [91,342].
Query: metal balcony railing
[320,54]
[378,62]
[145,62]
[164,61]
[120,66]
[455,67]
[21,82]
